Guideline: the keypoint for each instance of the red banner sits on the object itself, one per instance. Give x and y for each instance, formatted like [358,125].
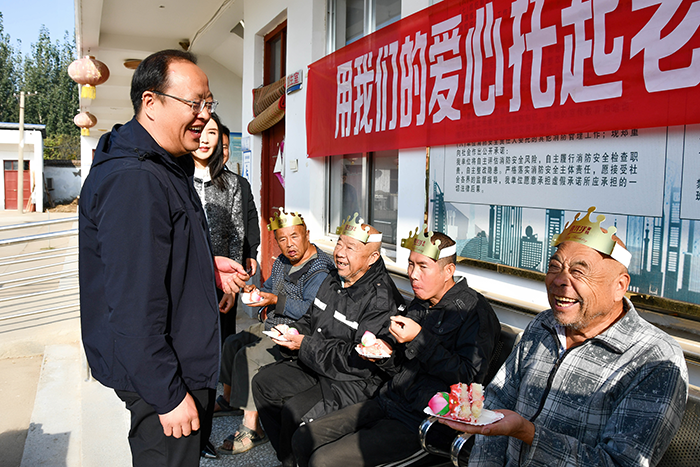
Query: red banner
[464,71]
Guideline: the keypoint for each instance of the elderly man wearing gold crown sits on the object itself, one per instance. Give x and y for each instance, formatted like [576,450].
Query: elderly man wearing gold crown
[447,336]
[285,296]
[590,383]
[328,373]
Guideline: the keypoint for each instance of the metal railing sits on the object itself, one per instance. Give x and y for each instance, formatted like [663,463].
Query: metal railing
[40,280]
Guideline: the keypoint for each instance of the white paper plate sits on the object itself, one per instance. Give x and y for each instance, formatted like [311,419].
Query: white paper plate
[275,336]
[487,417]
[362,352]
[245,298]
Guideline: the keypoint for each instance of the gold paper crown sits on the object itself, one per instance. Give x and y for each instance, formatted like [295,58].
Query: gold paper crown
[352,227]
[591,234]
[284,220]
[422,243]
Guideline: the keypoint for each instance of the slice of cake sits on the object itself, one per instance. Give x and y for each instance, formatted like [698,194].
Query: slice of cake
[476,394]
[465,401]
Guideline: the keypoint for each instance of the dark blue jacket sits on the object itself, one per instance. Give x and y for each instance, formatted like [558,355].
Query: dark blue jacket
[149,312]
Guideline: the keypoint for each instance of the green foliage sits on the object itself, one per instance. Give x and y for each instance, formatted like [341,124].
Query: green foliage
[44,72]
[10,63]
[63,147]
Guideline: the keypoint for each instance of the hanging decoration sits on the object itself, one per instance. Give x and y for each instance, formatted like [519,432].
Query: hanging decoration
[88,72]
[279,164]
[85,120]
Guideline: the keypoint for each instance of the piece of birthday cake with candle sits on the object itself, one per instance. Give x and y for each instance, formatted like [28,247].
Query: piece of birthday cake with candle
[464,402]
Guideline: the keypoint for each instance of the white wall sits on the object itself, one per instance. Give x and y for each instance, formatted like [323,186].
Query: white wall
[226,87]
[66,183]
[87,144]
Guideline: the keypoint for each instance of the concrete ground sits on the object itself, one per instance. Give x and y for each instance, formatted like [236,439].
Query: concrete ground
[19,377]
[23,339]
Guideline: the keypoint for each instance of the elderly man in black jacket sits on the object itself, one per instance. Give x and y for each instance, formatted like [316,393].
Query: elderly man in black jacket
[327,373]
[149,314]
[447,336]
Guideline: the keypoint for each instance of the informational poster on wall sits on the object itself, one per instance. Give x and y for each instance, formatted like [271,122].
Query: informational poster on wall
[503,201]
[235,152]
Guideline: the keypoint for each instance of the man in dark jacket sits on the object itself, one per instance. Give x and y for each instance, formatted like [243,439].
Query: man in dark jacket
[327,373]
[149,312]
[447,336]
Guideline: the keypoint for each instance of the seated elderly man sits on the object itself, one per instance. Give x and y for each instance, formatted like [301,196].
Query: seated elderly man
[447,336]
[591,382]
[287,294]
[328,373]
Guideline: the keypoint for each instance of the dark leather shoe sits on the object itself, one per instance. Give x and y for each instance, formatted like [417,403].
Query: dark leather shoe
[209,451]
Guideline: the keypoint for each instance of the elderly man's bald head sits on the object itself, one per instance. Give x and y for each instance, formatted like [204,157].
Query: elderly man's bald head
[374,246]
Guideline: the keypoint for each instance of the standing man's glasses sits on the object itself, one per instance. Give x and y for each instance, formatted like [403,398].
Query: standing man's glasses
[197,106]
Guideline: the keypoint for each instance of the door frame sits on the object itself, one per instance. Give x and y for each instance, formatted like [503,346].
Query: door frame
[271,189]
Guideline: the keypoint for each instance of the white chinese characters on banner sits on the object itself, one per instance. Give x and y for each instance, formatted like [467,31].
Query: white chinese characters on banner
[620,170]
[405,82]
[656,48]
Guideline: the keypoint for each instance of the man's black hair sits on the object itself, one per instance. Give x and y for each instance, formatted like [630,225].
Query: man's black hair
[224,130]
[445,242]
[152,74]
[216,160]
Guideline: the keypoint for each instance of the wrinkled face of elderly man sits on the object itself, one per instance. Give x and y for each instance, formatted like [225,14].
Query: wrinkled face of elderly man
[353,258]
[585,288]
[294,242]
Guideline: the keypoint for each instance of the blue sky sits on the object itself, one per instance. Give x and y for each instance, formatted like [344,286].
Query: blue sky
[23,19]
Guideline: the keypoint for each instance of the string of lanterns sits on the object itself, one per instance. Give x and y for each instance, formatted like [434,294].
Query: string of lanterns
[88,72]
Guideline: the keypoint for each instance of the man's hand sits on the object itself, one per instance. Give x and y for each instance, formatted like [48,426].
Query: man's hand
[513,425]
[403,329]
[382,346]
[226,303]
[230,276]
[251,266]
[182,420]
[293,341]
[267,299]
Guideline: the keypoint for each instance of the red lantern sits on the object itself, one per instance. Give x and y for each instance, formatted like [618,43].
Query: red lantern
[85,120]
[90,73]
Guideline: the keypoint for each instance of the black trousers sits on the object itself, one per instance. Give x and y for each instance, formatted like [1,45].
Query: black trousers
[283,393]
[359,435]
[149,445]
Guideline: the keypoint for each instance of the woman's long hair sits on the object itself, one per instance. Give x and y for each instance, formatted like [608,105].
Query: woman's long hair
[216,160]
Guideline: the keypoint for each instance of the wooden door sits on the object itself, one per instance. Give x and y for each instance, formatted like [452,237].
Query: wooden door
[10,172]
[272,196]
